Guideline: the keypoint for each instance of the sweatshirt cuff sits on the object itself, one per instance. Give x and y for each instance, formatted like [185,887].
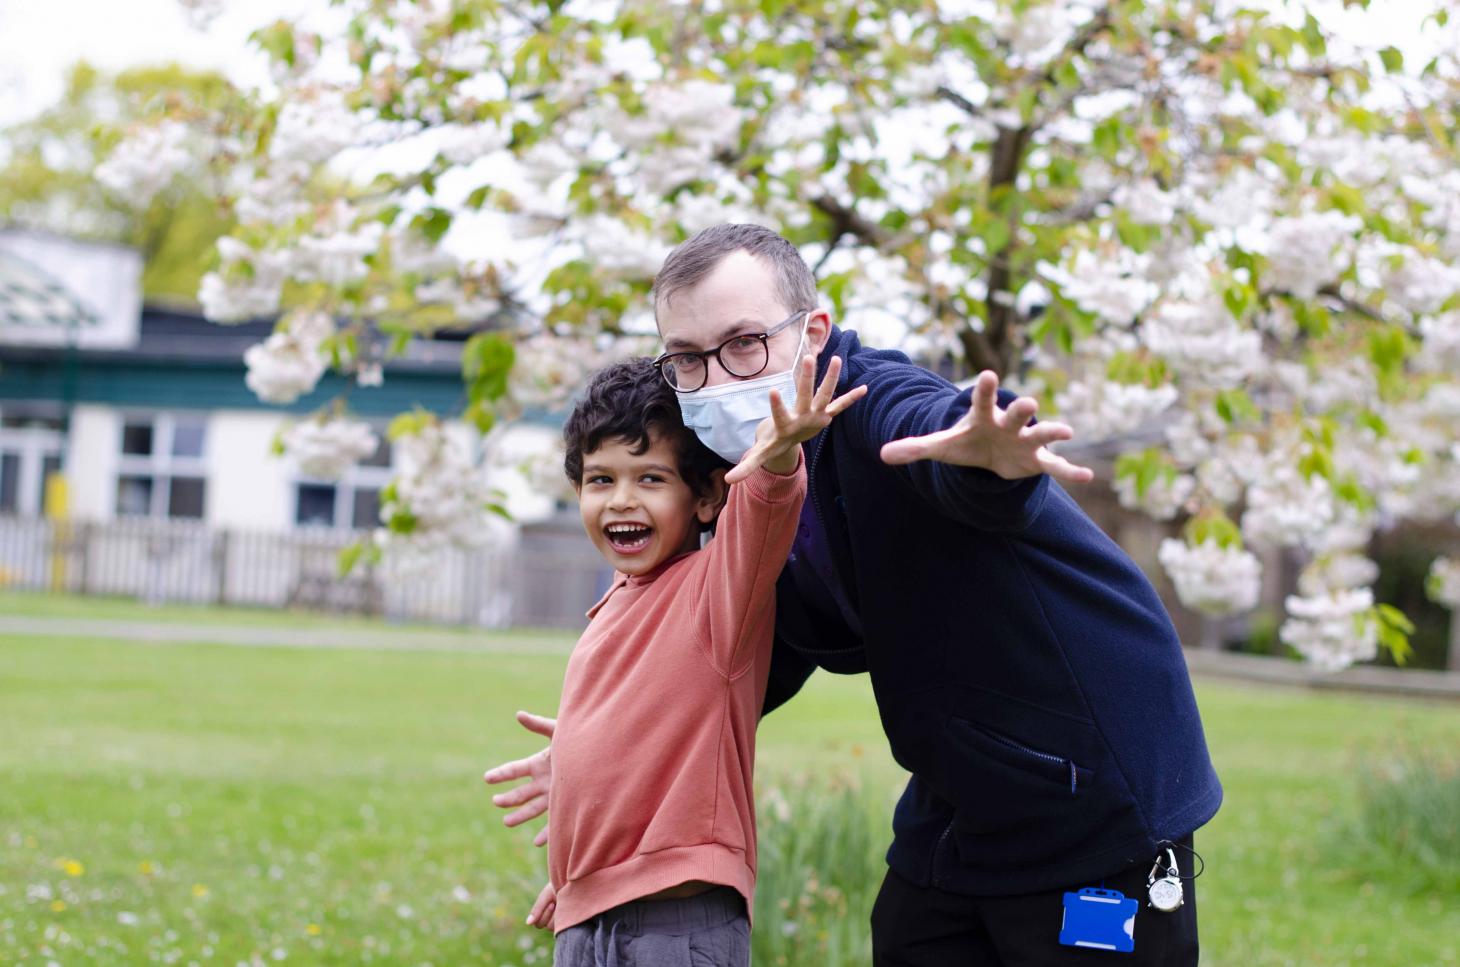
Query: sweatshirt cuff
[775,488]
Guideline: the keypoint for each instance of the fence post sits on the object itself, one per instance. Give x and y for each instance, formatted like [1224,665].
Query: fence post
[83,547]
[220,567]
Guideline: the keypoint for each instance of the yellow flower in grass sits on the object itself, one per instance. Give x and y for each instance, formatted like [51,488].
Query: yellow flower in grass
[312,929]
[199,890]
[57,906]
[146,868]
[70,867]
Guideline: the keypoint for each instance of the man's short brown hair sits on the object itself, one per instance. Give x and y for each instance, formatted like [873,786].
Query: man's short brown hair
[697,257]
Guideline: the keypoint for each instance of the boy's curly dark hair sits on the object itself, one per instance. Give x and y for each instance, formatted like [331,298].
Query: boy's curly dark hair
[626,401]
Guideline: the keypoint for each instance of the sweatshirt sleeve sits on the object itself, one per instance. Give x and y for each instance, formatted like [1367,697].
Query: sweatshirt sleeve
[752,540]
[905,400]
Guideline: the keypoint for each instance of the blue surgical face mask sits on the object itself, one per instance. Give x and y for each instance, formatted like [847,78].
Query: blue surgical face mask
[724,417]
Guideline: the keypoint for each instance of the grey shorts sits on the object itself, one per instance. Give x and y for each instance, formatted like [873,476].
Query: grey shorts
[709,930]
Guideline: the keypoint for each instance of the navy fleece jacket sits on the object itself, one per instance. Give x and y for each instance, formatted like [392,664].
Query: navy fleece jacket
[1025,671]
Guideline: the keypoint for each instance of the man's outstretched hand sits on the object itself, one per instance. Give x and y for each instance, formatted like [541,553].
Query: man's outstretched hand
[529,800]
[995,439]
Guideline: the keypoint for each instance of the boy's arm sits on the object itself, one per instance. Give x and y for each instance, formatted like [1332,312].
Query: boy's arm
[757,527]
[752,540]
[973,455]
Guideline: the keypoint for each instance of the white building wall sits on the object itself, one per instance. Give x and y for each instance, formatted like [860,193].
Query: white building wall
[248,487]
[91,461]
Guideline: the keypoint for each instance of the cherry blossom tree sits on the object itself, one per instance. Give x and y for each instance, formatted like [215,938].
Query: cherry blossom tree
[1216,235]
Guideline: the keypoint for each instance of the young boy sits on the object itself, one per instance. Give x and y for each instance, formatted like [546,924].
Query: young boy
[651,851]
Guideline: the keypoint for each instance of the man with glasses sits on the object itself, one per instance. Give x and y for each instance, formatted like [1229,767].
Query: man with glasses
[1025,671]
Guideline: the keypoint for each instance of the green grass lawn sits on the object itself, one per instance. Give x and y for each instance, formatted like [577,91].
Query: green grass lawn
[221,804]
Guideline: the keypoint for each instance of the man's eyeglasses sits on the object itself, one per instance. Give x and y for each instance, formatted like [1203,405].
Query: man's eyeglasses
[742,356]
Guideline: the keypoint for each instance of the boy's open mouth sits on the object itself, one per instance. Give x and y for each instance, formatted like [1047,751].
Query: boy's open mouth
[628,538]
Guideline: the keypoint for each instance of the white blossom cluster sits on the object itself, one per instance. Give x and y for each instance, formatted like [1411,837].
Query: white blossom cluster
[1441,336]
[1284,509]
[1164,497]
[247,286]
[1307,252]
[147,161]
[313,126]
[326,448]
[1342,571]
[334,252]
[1201,341]
[1443,582]
[1114,289]
[682,127]
[290,362]
[1210,578]
[441,489]
[1038,32]
[1332,630]
[550,369]
[1099,409]
[1421,284]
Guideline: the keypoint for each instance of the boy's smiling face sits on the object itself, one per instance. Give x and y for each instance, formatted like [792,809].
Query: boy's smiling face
[637,509]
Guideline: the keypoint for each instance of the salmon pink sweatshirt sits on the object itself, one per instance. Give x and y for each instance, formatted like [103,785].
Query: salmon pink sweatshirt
[655,745]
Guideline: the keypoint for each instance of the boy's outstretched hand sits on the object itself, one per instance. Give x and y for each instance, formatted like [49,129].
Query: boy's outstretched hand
[995,439]
[531,796]
[780,434]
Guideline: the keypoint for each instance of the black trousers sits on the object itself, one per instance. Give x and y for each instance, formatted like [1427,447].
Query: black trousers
[915,926]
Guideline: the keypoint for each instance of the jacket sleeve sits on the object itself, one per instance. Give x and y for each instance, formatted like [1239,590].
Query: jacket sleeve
[905,400]
[752,540]
[789,672]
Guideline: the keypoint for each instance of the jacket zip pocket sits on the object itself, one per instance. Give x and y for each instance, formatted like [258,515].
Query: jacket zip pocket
[1069,764]
[938,848]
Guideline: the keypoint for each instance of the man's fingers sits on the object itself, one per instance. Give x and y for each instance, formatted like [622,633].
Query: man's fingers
[1020,412]
[827,389]
[507,771]
[521,794]
[533,809]
[985,396]
[1061,469]
[1043,434]
[845,400]
[542,836]
[914,448]
[805,380]
[540,724]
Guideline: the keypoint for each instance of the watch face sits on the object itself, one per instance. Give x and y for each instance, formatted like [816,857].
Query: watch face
[1166,895]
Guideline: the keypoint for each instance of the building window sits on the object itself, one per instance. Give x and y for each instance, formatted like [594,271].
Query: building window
[353,501]
[162,472]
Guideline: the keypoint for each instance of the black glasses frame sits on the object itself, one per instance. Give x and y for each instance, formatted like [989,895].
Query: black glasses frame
[703,356]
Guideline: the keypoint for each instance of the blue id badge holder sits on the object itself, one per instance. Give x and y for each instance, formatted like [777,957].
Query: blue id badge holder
[1099,920]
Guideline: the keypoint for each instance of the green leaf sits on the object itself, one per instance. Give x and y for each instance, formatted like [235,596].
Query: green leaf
[1235,405]
[350,555]
[1213,526]
[1393,59]
[432,223]
[478,197]
[486,361]
[481,417]
[408,424]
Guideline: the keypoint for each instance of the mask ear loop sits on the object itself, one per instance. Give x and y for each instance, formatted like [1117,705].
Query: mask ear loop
[1173,846]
